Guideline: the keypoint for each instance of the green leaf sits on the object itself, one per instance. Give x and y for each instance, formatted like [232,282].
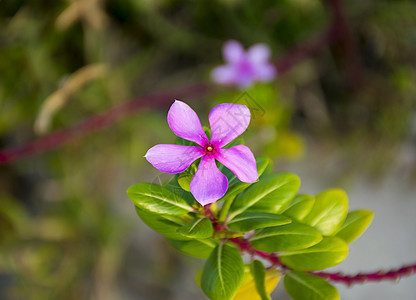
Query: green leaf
[164,224]
[302,286]
[300,207]
[235,186]
[272,194]
[355,224]
[329,211]
[157,199]
[198,229]
[196,248]
[254,220]
[288,237]
[329,252]
[174,186]
[222,273]
[259,274]
[184,181]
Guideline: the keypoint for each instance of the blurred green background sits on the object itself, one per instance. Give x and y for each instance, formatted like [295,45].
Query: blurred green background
[67,228]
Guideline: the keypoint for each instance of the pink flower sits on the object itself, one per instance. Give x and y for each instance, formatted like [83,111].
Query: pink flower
[243,68]
[227,122]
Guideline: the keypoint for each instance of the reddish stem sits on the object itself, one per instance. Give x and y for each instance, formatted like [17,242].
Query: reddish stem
[346,42]
[395,275]
[98,122]
[273,258]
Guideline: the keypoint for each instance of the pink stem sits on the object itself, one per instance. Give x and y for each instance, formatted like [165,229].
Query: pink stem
[98,122]
[347,45]
[395,274]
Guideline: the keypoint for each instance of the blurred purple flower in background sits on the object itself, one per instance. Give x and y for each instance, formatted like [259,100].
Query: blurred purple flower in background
[243,68]
[227,122]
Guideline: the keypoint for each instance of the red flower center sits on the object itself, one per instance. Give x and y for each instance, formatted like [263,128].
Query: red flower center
[210,149]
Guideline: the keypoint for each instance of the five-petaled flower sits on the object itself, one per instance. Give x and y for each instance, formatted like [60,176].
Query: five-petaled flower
[227,122]
[243,68]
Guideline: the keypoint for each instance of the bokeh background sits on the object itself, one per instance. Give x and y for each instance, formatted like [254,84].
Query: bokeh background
[85,86]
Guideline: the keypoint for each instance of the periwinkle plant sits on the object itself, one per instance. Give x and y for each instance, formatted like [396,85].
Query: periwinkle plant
[230,212]
[243,68]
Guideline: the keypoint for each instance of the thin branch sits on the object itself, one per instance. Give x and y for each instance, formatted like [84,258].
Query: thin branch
[99,122]
[273,258]
[394,275]
[342,33]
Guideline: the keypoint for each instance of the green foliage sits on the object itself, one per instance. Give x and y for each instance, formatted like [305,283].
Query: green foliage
[201,248]
[328,212]
[222,273]
[328,253]
[164,224]
[307,233]
[254,220]
[198,229]
[272,194]
[300,207]
[235,186]
[288,237]
[184,180]
[355,224]
[259,274]
[303,286]
[157,199]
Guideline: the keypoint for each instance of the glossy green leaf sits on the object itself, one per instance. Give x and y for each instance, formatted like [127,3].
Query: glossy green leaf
[300,207]
[292,236]
[222,273]
[164,224]
[254,220]
[303,286]
[259,274]
[174,186]
[235,186]
[157,199]
[184,181]
[355,224]
[328,212]
[272,194]
[198,229]
[196,248]
[329,252]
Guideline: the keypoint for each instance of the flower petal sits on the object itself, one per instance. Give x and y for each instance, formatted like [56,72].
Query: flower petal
[265,72]
[259,53]
[173,158]
[227,122]
[233,51]
[240,160]
[223,75]
[208,184]
[185,123]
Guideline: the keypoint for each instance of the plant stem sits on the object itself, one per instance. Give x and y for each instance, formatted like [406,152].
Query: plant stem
[395,274]
[225,208]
